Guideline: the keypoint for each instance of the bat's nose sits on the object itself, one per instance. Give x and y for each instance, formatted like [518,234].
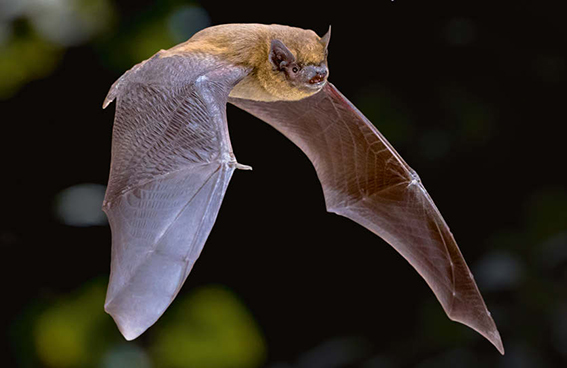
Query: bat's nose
[320,75]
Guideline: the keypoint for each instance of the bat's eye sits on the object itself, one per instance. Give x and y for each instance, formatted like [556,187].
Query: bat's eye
[295,69]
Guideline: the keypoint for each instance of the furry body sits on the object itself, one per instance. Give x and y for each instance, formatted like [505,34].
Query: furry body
[248,46]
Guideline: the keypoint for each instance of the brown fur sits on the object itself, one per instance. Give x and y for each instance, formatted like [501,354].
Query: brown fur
[248,45]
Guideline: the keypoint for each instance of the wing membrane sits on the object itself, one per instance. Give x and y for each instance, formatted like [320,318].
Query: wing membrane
[366,180]
[171,163]
[159,230]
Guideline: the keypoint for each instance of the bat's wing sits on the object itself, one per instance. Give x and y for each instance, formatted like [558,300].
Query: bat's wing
[171,163]
[366,180]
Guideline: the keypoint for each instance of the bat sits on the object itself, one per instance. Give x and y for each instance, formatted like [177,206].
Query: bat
[172,160]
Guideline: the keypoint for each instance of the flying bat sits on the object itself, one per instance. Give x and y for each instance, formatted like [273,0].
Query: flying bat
[172,161]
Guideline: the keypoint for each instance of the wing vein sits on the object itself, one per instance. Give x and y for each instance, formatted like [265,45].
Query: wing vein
[164,232]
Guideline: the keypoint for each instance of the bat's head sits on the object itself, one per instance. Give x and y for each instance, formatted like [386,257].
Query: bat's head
[298,61]
[287,63]
[297,64]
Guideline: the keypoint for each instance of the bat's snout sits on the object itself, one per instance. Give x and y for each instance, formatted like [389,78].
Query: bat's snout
[319,75]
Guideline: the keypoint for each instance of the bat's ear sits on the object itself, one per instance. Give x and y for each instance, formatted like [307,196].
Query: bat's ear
[280,56]
[326,38]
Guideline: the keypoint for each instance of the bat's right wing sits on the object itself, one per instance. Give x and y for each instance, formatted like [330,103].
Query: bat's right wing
[366,180]
[171,164]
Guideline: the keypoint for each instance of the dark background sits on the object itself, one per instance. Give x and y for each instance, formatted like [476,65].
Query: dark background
[471,95]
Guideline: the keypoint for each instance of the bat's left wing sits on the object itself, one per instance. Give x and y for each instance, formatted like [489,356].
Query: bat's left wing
[366,180]
[171,163]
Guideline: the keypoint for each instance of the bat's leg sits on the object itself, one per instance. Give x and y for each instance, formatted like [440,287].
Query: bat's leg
[232,162]
[243,167]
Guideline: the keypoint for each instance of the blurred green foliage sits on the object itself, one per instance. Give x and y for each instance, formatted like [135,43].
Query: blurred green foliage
[161,26]
[207,328]
[34,34]
[210,328]
[66,332]
[139,41]
[23,59]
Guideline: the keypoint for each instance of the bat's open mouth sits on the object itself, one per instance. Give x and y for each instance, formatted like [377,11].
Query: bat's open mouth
[317,86]
[316,76]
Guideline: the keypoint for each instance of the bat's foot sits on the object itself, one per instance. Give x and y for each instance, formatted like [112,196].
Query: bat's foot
[243,167]
[231,160]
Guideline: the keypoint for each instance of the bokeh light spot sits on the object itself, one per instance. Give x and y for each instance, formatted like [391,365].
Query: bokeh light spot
[81,205]
[499,270]
[23,59]
[70,22]
[63,332]
[127,355]
[210,328]
[46,27]
[10,9]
